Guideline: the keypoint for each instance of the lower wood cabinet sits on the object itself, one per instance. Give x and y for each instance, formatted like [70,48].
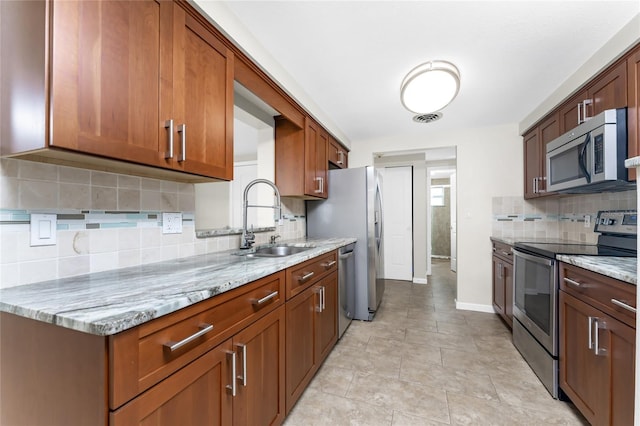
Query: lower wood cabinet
[241,358]
[311,333]
[195,395]
[240,382]
[597,347]
[503,281]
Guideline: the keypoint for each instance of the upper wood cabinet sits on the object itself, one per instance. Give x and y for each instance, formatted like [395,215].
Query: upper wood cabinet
[607,91]
[633,107]
[144,83]
[616,87]
[337,154]
[301,159]
[202,99]
[535,148]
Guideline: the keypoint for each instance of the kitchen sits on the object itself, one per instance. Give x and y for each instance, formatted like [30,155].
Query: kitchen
[100,249]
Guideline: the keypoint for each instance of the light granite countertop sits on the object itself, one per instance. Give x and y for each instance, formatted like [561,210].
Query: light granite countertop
[109,302]
[621,268]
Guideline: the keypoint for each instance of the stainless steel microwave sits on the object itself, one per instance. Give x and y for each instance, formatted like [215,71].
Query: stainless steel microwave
[590,158]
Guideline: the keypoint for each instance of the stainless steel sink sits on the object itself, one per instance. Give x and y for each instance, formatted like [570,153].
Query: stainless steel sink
[275,251]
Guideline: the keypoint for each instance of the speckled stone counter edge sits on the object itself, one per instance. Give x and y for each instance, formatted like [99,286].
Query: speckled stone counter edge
[109,302]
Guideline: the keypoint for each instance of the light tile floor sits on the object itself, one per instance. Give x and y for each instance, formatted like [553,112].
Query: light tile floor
[422,362]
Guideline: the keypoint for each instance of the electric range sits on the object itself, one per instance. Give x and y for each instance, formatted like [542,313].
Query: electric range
[535,293]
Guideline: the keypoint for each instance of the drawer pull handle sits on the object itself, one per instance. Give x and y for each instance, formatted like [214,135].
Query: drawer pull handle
[623,305]
[329,264]
[572,282]
[243,378]
[169,125]
[306,276]
[268,297]
[172,346]
[232,387]
[504,253]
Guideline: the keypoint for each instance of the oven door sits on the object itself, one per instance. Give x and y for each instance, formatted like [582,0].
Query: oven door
[535,297]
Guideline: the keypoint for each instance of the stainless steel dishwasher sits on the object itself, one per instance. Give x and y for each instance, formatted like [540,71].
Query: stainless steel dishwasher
[346,287]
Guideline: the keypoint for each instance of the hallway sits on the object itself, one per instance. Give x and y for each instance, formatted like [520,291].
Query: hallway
[422,362]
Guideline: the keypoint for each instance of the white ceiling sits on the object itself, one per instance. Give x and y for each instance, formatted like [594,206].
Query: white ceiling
[350,56]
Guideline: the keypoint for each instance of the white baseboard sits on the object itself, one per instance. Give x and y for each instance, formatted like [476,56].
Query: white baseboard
[475,307]
[417,280]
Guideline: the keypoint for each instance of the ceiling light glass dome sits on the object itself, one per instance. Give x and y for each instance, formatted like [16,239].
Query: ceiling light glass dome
[429,87]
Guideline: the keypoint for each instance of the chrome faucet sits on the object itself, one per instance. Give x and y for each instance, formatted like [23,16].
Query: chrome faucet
[273,238]
[248,238]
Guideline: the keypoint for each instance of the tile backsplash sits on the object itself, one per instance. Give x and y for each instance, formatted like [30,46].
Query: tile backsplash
[556,217]
[105,221]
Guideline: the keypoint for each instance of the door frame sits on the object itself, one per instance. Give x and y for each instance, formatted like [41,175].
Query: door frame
[454,169]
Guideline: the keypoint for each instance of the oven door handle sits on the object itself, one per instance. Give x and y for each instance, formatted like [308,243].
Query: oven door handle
[532,258]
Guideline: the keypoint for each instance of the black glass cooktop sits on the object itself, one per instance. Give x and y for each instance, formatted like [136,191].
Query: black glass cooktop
[552,249]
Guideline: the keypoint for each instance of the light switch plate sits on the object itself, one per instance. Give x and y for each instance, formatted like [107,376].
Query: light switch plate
[587,221]
[44,229]
[172,223]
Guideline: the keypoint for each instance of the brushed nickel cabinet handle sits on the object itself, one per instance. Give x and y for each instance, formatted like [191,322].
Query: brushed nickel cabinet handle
[232,387]
[306,276]
[572,282]
[341,156]
[590,340]
[172,346]
[329,264]
[268,297]
[169,125]
[243,378]
[319,180]
[623,305]
[182,129]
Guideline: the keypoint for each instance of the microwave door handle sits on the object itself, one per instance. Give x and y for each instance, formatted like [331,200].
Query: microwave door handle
[582,158]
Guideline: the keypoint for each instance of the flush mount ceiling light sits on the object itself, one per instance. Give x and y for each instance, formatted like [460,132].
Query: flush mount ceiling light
[429,87]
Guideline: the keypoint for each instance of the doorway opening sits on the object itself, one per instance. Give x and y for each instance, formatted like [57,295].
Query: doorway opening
[422,162]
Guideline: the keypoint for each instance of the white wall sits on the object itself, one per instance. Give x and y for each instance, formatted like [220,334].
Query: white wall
[489,164]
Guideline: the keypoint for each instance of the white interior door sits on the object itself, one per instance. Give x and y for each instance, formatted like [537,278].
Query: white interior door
[398,223]
[454,224]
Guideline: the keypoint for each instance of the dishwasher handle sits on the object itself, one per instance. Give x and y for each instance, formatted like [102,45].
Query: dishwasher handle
[346,255]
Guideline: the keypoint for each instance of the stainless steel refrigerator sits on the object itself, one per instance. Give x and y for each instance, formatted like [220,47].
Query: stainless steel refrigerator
[354,209]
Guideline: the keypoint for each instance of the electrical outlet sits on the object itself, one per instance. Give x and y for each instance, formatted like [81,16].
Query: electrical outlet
[587,221]
[172,223]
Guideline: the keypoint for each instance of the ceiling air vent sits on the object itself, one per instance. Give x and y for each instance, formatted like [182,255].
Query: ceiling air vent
[427,118]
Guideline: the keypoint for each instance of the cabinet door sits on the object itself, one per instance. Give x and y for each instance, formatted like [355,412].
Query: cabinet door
[548,130]
[299,342]
[583,375]
[312,184]
[110,63]
[202,99]
[532,163]
[327,323]
[633,111]
[621,345]
[260,347]
[195,395]
[336,154]
[609,91]
[569,112]
[498,286]
[322,164]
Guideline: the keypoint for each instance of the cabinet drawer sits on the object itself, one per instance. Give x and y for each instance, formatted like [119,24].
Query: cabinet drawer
[601,292]
[301,276]
[142,356]
[503,251]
